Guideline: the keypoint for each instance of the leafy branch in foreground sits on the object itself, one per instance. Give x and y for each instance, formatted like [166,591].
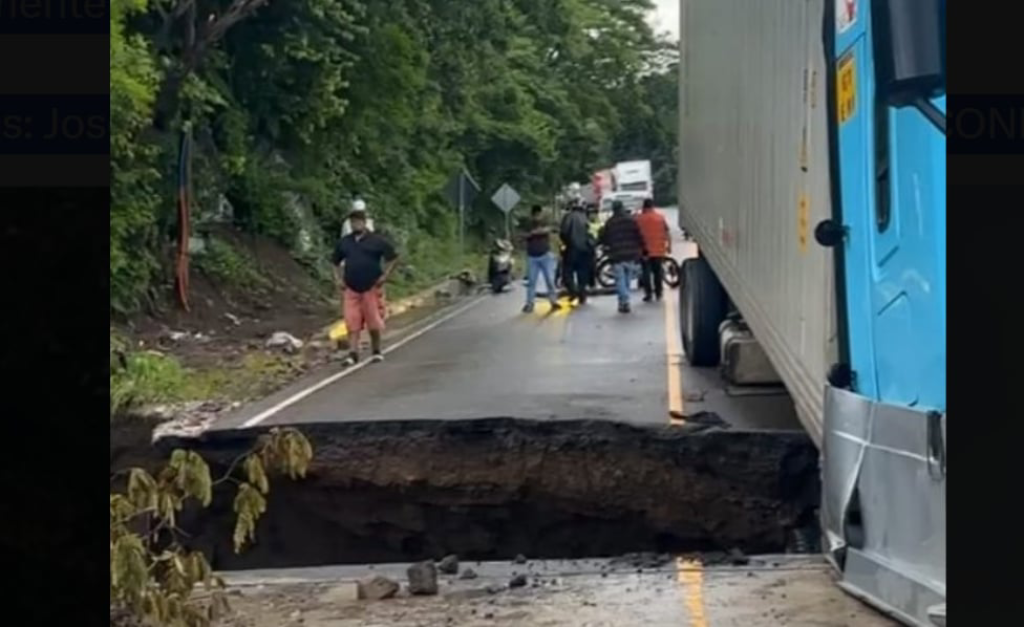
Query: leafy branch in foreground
[152,576]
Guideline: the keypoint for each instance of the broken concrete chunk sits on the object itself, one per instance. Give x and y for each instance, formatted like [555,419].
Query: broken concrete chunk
[518,581]
[377,588]
[422,579]
[520,559]
[341,594]
[469,573]
[449,565]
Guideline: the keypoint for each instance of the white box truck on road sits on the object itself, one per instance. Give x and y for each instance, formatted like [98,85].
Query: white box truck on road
[812,178]
[631,183]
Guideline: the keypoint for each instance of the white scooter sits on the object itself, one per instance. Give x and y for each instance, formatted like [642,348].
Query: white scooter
[500,264]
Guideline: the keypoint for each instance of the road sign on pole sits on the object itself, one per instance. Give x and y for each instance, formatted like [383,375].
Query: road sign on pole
[506,198]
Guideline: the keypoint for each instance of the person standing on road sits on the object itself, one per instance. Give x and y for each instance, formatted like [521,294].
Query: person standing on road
[358,258]
[579,251]
[594,231]
[625,244]
[539,260]
[358,204]
[658,244]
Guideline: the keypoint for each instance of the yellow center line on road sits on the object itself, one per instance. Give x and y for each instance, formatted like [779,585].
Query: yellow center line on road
[690,574]
[544,307]
[673,358]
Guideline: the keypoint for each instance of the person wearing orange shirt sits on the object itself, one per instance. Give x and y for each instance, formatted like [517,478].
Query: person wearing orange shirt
[658,245]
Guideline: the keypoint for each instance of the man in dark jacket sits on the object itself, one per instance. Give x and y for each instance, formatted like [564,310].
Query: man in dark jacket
[625,245]
[579,248]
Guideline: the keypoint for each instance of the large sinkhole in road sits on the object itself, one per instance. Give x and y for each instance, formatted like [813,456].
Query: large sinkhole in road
[495,488]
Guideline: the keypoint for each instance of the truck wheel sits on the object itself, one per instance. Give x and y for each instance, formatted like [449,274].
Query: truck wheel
[703,306]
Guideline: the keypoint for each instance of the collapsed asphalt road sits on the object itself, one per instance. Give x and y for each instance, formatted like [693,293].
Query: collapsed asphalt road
[492,489]
[490,433]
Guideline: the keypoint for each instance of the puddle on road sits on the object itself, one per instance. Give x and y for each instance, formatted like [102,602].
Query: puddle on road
[495,488]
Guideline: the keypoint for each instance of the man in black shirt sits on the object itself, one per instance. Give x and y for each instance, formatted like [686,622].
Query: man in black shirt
[539,260]
[357,267]
[579,250]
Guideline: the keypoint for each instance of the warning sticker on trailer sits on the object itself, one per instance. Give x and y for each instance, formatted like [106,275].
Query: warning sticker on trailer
[846,85]
[846,15]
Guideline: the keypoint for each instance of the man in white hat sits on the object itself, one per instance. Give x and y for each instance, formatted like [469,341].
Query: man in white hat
[357,205]
[358,259]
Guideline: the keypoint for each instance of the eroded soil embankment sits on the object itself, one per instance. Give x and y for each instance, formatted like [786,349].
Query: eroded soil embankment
[491,489]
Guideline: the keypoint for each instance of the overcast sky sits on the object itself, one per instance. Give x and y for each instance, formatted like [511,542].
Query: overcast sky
[666,17]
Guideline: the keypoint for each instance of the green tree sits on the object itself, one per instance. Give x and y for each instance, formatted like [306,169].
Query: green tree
[324,98]
[134,79]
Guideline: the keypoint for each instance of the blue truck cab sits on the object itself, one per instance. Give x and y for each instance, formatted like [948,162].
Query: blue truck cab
[884,460]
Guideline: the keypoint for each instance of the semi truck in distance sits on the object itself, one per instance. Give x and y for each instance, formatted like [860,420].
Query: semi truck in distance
[812,178]
[631,184]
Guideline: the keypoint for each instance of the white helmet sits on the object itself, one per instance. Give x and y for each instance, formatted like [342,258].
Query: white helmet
[357,205]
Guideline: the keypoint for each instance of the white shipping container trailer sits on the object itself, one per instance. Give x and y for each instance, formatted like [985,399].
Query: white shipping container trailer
[754,176]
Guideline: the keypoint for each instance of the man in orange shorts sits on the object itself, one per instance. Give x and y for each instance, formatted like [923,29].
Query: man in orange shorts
[358,260]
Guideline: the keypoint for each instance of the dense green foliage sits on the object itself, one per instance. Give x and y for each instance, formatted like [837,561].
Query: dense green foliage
[325,98]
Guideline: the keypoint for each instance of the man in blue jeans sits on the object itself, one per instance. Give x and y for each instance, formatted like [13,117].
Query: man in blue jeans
[625,245]
[539,260]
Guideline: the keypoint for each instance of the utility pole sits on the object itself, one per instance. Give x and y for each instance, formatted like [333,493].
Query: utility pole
[462,218]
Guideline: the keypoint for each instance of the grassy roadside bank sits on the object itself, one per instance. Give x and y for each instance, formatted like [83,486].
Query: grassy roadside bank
[246,293]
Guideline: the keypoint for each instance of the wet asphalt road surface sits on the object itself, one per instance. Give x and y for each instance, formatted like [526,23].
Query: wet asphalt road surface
[492,360]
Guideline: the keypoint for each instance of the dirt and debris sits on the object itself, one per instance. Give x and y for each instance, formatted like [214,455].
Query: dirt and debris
[186,419]
[580,599]
[733,557]
[503,489]
[737,557]
[644,560]
[285,341]
[225,317]
[707,419]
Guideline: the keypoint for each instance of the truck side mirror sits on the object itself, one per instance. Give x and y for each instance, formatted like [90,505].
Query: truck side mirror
[908,49]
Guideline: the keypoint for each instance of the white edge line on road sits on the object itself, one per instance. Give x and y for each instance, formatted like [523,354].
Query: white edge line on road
[298,396]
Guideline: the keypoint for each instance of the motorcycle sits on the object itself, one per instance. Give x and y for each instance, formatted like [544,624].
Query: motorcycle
[499,267]
[606,274]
